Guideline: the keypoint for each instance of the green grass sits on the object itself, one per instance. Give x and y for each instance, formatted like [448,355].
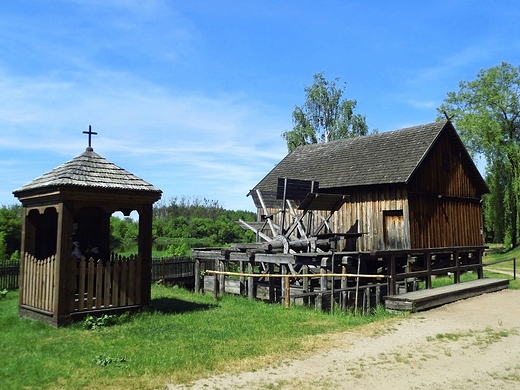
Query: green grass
[184,337]
[497,253]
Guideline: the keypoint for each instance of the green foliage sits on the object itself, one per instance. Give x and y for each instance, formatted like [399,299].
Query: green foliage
[496,219]
[123,231]
[103,361]
[3,293]
[486,112]
[182,224]
[324,116]
[181,249]
[10,230]
[3,249]
[94,322]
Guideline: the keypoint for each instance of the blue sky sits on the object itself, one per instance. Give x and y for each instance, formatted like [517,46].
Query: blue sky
[192,96]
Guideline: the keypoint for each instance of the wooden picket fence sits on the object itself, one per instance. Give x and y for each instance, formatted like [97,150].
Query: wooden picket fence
[9,274]
[102,285]
[39,281]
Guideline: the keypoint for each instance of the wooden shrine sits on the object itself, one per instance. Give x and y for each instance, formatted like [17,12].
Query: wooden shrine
[67,270]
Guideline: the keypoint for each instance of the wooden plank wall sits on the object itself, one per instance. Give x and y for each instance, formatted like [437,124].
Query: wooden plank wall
[364,213]
[445,222]
[445,207]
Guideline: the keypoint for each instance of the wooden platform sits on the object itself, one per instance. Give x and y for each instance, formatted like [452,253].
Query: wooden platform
[427,299]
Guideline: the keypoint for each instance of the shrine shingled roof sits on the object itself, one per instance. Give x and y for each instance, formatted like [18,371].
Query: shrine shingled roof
[89,170]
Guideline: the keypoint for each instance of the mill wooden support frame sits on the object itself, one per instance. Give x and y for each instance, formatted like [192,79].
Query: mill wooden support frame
[390,272]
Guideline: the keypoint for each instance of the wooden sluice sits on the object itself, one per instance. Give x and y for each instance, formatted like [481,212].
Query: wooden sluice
[356,281]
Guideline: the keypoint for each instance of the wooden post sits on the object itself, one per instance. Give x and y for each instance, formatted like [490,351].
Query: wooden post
[305,284]
[250,280]
[196,271]
[343,287]
[323,283]
[283,271]
[428,257]
[216,279]
[480,272]
[456,275]
[393,276]
[222,279]
[332,283]
[357,284]
[63,293]
[272,297]
[242,278]
[163,272]
[287,292]
[145,253]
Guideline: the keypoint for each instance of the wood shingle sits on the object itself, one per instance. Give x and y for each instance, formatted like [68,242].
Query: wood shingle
[89,170]
[384,158]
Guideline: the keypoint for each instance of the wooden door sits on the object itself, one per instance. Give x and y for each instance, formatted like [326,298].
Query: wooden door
[393,226]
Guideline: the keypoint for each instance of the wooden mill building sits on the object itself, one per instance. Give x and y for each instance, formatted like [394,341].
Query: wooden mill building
[67,269]
[412,188]
[369,216]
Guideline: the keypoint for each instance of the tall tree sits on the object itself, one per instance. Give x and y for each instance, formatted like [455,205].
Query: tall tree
[324,116]
[486,111]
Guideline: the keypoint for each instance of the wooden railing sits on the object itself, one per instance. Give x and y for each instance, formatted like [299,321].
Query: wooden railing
[39,280]
[9,274]
[102,285]
[171,269]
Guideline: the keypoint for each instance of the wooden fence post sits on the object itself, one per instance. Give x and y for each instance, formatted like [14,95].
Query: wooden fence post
[242,279]
[216,279]
[196,271]
[222,279]
[323,283]
[272,297]
[305,284]
[250,280]
[343,287]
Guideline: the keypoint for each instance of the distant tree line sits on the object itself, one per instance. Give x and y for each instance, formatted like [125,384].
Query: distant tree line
[182,223]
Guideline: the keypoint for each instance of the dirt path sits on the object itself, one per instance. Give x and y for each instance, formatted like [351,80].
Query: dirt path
[470,344]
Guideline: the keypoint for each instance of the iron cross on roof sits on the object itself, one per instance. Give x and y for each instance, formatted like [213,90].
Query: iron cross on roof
[90,134]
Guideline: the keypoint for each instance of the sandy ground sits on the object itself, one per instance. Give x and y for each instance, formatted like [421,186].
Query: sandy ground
[470,344]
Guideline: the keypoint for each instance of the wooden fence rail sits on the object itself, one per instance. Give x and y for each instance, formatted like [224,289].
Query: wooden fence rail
[172,269]
[220,286]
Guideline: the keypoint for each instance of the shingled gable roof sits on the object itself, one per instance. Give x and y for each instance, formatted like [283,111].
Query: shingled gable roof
[89,170]
[384,158]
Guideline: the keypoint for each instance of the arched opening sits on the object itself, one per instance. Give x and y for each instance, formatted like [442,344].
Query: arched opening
[124,232]
[44,227]
[90,232]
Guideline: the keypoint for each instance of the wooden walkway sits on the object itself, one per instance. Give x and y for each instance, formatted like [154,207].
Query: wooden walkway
[429,298]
